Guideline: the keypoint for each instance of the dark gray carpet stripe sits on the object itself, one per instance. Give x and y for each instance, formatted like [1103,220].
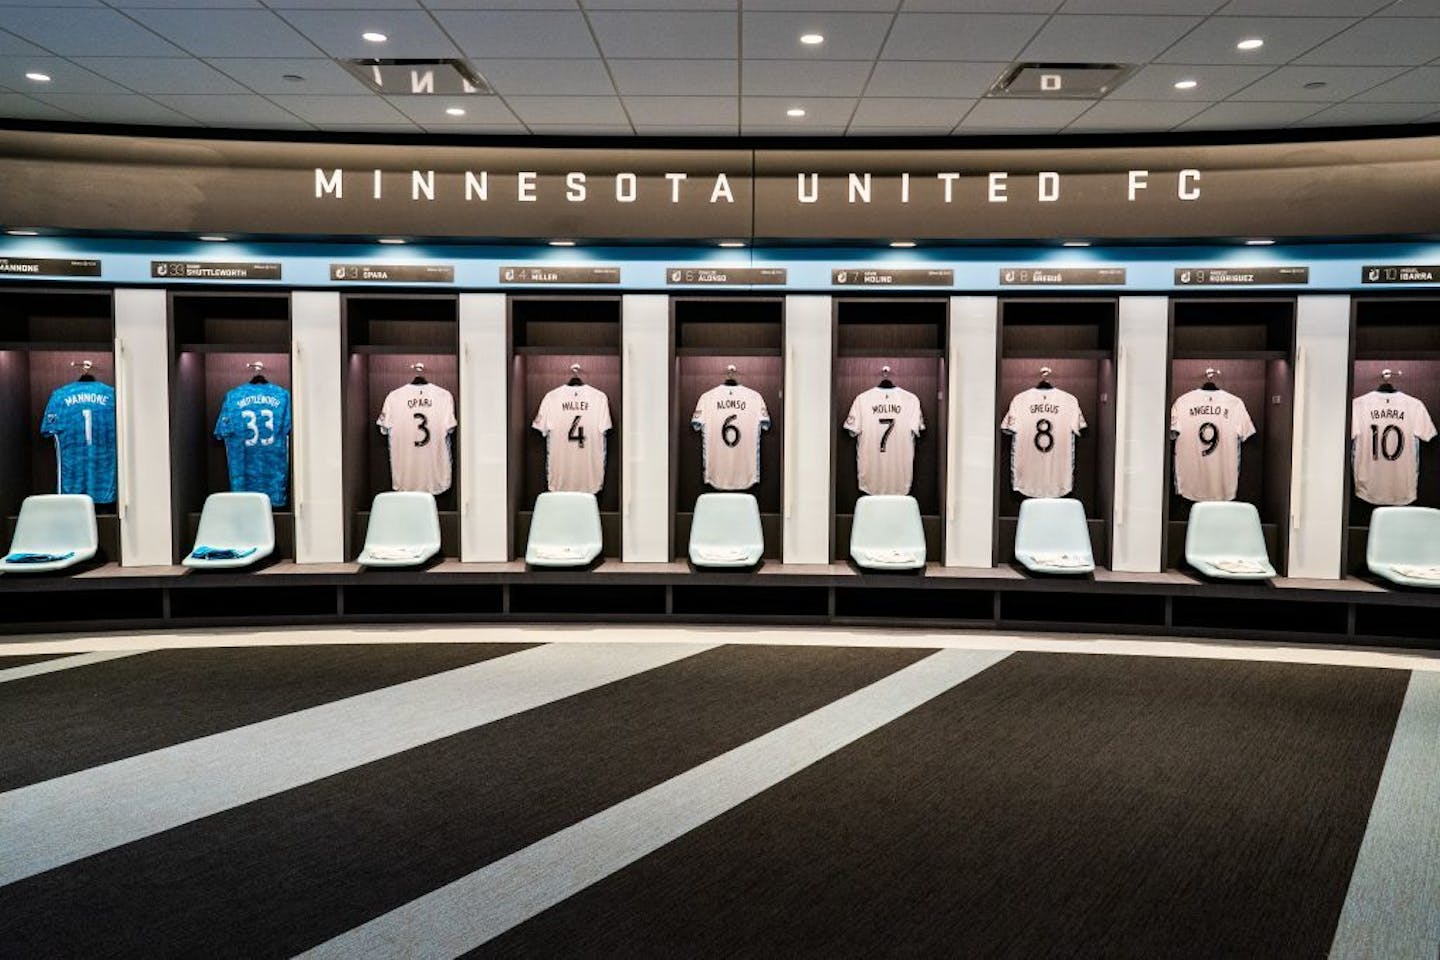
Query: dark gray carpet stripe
[71,720]
[1051,806]
[20,661]
[282,874]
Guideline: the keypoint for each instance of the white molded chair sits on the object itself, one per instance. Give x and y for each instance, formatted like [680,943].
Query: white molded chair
[1052,536]
[725,531]
[1223,540]
[564,530]
[886,533]
[236,530]
[53,531]
[404,530]
[1404,545]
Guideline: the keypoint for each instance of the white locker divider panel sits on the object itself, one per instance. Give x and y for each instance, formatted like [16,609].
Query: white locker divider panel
[645,521]
[970,453]
[483,417]
[808,430]
[142,410]
[1319,452]
[1141,428]
[315,435]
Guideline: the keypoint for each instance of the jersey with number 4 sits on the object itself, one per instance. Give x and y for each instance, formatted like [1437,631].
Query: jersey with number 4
[1208,427]
[1044,425]
[417,419]
[574,421]
[255,425]
[80,417]
[730,420]
[1385,433]
[885,422]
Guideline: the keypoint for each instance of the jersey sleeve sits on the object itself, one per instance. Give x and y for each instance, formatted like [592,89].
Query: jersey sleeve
[1078,425]
[697,419]
[1175,419]
[227,423]
[1244,426]
[542,417]
[386,420]
[1011,419]
[1357,411]
[919,426]
[450,421]
[50,422]
[283,429]
[852,419]
[1424,426]
[604,417]
[764,413]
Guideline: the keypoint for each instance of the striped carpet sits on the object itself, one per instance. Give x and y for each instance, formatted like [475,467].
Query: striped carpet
[709,799]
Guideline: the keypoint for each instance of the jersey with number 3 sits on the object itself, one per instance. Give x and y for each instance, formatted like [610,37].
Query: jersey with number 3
[885,422]
[254,422]
[574,421]
[1044,425]
[417,419]
[1208,427]
[80,416]
[1385,433]
[730,420]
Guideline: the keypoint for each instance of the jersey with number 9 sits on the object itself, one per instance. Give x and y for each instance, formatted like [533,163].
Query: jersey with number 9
[1208,427]
[254,423]
[574,421]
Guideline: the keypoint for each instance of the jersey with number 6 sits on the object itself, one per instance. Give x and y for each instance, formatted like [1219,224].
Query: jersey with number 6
[885,422]
[255,425]
[80,416]
[1044,425]
[1208,427]
[574,421]
[1385,433]
[730,420]
[417,418]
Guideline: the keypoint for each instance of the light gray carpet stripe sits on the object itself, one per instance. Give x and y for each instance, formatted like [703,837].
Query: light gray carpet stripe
[1392,909]
[62,663]
[473,909]
[48,824]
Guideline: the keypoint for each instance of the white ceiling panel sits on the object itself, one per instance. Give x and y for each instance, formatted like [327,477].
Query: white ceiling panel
[848,36]
[318,4]
[1106,39]
[1353,112]
[1145,7]
[65,77]
[317,75]
[819,112]
[881,6]
[981,6]
[25,108]
[388,129]
[116,108]
[687,130]
[228,33]
[1340,83]
[1411,8]
[232,111]
[832,78]
[901,78]
[75,32]
[1409,40]
[13,46]
[1011,116]
[1137,115]
[412,33]
[1285,38]
[1157,82]
[547,77]
[675,77]
[1309,8]
[1417,85]
[1246,116]
[959,36]
[932,113]
[519,33]
[162,74]
[188,4]
[430,111]
[671,5]
[683,111]
[340,110]
[638,34]
[499,4]
[547,110]
[581,129]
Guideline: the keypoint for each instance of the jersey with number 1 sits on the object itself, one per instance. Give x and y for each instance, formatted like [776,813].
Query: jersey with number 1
[254,422]
[1044,425]
[1208,427]
[80,416]
[574,421]
[730,420]
[417,419]
[885,422]
[1386,428]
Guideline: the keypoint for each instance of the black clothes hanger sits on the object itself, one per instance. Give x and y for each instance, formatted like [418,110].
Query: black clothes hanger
[1385,385]
[259,369]
[885,382]
[1045,383]
[419,369]
[730,380]
[1210,375]
[575,380]
[85,375]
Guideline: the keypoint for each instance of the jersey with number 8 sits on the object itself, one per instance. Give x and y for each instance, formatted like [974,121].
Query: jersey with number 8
[417,419]
[1208,427]
[1385,433]
[574,421]
[730,420]
[1044,424]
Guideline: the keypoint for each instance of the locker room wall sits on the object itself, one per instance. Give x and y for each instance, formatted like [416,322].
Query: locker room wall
[972,446]
[644,447]
[317,453]
[1317,495]
[808,430]
[142,383]
[483,413]
[1142,343]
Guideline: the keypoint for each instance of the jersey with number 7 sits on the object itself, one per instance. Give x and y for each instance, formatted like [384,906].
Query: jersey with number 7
[885,422]
[1208,427]
[574,421]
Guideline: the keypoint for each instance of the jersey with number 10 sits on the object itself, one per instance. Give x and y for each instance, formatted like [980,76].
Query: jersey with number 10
[885,422]
[1043,424]
[255,425]
[734,416]
[574,421]
[1386,428]
[1209,426]
[80,417]
[417,419]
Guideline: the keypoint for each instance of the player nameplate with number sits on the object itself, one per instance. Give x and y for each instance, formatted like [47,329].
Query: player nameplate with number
[392,273]
[1061,276]
[43,267]
[1239,276]
[884,277]
[1405,274]
[720,276]
[559,274]
[202,270]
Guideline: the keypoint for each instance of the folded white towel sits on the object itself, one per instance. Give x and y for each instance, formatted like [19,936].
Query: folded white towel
[394,553]
[1061,560]
[559,553]
[722,554]
[1417,572]
[1240,565]
[892,556]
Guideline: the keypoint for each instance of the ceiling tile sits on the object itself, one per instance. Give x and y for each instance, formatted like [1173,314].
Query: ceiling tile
[704,111]
[115,108]
[341,110]
[412,33]
[848,36]
[1310,8]
[661,34]
[13,46]
[430,111]
[782,130]
[162,74]
[861,131]
[498,127]
[1358,114]
[1341,83]
[1241,116]
[1157,82]
[232,111]
[881,6]
[388,129]
[228,33]
[669,5]
[687,130]
[1148,7]
[65,77]
[783,78]
[329,4]
[1411,8]
[1285,38]
[1106,39]
[14,106]
[547,77]
[83,32]
[1400,41]
[319,76]
[819,112]
[675,77]
[900,78]
[1417,85]
[1134,115]
[1017,116]
[580,129]
[981,6]
[520,33]
[916,112]
[581,110]
[500,4]
[191,4]
[959,36]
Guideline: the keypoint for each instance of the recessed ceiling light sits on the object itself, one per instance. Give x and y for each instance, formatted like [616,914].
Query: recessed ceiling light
[1250,43]
[1076,243]
[394,241]
[1316,85]
[902,243]
[562,243]
[1186,84]
[23,233]
[292,77]
[213,238]
[795,112]
[374,36]
[732,243]
[1258,243]
[37,76]
[455,111]
[812,39]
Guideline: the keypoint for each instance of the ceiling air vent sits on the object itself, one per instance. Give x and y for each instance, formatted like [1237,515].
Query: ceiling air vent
[1075,81]
[441,78]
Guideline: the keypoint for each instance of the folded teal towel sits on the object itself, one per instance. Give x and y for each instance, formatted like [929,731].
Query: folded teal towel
[38,557]
[221,553]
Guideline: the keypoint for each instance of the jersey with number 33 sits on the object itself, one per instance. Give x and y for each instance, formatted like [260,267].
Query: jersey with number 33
[730,419]
[255,425]
[1208,427]
[417,419]
[574,421]
[1043,425]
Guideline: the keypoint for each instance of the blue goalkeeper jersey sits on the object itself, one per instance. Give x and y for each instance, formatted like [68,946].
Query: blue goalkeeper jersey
[255,425]
[80,416]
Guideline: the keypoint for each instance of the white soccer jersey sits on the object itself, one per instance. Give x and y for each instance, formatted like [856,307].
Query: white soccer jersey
[1385,433]
[417,418]
[574,421]
[1044,425]
[885,422]
[730,420]
[1208,427]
